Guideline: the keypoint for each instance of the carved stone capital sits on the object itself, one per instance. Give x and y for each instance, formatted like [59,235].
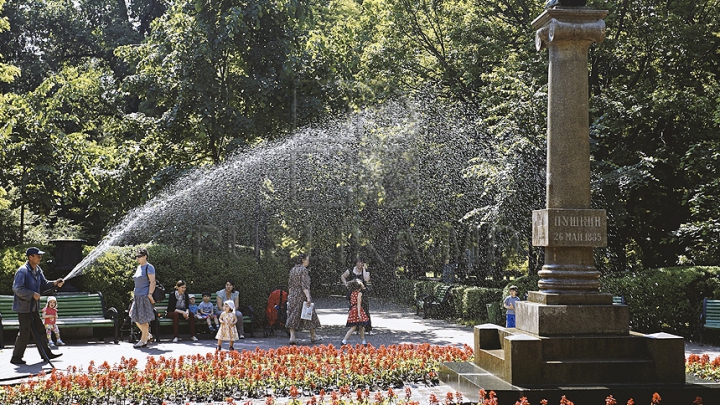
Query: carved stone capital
[569,25]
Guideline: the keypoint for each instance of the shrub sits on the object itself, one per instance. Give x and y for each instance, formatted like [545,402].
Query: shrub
[468,302]
[666,299]
[12,258]
[111,273]
[471,302]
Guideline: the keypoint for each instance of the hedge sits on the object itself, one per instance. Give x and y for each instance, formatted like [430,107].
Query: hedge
[111,273]
[666,299]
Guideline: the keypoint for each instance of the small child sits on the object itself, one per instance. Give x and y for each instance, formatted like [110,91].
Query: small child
[50,319]
[192,307]
[206,312]
[228,330]
[509,305]
[357,318]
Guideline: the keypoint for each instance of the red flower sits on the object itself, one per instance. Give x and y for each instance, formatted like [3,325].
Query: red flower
[610,401]
[656,398]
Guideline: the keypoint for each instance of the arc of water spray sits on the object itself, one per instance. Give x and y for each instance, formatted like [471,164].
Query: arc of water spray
[118,231]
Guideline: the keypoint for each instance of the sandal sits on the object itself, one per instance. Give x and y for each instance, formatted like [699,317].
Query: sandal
[140,344]
[292,342]
[316,339]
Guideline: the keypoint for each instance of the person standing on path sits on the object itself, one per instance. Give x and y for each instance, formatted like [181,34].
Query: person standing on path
[509,304]
[360,273]
[298,296]
[28,283]
[229,293]
[50,319]
[357,318]
[227,330]
[141,310]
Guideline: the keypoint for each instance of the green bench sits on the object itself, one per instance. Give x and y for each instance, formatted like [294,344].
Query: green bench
[438,304]
[162,321]
[75,310]
[619,299]
[710,316]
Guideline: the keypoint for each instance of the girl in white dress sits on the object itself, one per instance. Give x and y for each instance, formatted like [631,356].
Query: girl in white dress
[228,330]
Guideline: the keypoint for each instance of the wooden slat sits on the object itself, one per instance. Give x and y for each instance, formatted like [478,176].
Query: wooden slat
[81,310]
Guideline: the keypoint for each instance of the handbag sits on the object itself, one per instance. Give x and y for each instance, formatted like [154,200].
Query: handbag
[158,294]
[307,311]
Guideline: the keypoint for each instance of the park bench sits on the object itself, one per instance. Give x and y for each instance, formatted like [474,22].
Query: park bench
[162,321]
[710,317]
[619,299]
[437,304]
[76,310]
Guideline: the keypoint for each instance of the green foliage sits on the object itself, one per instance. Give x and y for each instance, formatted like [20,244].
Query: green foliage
[111,273]
[12,258]
[469,303]
[8,73]
[666,299]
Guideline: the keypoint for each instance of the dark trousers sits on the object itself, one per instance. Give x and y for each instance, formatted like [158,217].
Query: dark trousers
[28,322]
[365,304]
[176,317]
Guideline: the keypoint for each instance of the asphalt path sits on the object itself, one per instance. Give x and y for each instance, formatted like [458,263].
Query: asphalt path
[392,324]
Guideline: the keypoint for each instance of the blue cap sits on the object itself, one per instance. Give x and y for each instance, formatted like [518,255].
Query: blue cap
[34,251]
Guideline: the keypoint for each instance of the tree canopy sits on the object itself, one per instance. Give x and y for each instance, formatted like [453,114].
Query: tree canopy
[106,103]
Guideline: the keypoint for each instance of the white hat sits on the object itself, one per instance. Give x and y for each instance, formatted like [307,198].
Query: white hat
[230,303]
[191,296]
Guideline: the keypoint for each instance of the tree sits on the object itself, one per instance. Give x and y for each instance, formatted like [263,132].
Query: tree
[8,73]
[217,75]
[654,89]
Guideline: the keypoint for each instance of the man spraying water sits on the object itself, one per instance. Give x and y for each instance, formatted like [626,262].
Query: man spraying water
[28,284]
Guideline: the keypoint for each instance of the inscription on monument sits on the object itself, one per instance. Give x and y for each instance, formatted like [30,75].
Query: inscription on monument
[569,227]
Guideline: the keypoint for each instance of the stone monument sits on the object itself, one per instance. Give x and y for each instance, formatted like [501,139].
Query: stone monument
[568,333]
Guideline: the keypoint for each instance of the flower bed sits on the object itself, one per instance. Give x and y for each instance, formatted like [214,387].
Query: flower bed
[701,366]
[239,375]
[318,375]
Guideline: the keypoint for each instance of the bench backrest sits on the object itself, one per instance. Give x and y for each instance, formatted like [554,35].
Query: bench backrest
[70,305]
[442,292]
[711,310]
[161,307]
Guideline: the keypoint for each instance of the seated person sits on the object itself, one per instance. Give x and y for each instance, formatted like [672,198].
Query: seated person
[229,293]
[179,307]
[206,312]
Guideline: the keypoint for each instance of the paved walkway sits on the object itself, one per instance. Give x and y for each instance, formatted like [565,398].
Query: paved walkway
[392,324]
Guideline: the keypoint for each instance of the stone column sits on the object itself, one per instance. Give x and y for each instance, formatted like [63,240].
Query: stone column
[569,228]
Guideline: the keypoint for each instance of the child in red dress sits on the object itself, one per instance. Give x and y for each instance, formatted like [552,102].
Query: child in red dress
[357,318]
[50,319]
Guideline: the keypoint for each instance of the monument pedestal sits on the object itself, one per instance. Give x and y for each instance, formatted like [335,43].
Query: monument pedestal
[577,345]
[523,358]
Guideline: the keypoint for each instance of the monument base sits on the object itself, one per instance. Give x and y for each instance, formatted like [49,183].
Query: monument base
[522,358]
[468,379]
[551,320]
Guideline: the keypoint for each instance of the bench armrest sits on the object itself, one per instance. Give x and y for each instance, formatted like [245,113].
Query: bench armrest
[111,313]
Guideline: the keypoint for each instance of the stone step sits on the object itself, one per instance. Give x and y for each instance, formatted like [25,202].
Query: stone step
[598,371]
[598,347]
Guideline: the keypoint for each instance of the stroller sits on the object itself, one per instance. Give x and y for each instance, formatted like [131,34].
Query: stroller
[276,310]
